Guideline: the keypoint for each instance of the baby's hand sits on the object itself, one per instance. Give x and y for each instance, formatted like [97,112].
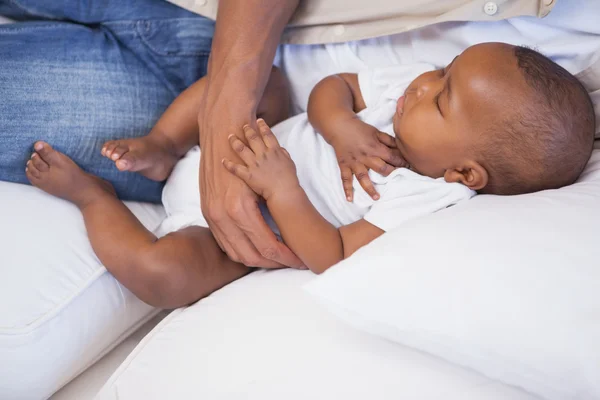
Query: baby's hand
[268,167]
[360,147]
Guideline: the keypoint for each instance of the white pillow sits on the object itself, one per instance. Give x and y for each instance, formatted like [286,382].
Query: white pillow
[507,286]
[60,310]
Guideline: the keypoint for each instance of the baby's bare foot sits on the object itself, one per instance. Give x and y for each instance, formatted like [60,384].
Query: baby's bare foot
[145,155]
[57,174]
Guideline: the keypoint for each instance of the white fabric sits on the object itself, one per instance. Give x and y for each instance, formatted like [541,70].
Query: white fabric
[570,35]
[263,338]
[404,195]
[507,286]
[60,309]
[86,385]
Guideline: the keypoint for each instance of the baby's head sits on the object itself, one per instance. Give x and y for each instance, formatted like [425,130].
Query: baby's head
[500,119]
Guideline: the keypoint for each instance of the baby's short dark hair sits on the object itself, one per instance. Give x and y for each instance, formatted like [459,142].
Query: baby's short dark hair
[546,141]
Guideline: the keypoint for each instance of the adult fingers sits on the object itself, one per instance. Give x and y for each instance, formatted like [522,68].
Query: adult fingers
[239,248]
[255,140]
[347,182]
[242,150]
[273,253]
[221,240]
[362,174]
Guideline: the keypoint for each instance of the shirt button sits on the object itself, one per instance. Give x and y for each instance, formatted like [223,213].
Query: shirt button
[490,8]
[200,3]
[339,30]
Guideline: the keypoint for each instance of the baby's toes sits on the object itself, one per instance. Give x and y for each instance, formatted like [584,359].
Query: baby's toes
[118,151]
[105,147]
[126,162]
[32,172]
[109,147]
[46,152]
[39,163]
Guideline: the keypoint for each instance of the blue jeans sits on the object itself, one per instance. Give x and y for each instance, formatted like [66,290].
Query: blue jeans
[76,73]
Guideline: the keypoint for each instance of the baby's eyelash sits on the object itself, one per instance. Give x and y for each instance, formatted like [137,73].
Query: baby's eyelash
[437,102]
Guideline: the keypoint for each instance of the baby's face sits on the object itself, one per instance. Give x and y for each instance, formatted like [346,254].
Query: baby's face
[443,113]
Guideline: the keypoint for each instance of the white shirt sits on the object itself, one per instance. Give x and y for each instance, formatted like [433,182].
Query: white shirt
[570,36]
[404,194]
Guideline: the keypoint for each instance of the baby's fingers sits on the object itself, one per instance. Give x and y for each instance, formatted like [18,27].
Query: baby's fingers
[242,150]
[392,156]
[238,170]
[347,179]
[267,134]
[379,166]
[388,151]
[386,139]
[362,174]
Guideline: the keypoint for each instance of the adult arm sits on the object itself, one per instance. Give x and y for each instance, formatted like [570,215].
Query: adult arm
[246,37]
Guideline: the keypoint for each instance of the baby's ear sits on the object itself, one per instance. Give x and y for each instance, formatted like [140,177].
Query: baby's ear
[472,174]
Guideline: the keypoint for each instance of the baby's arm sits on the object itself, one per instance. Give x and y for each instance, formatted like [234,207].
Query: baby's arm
[332,109]
[334,101]
[271,173]
[311,237]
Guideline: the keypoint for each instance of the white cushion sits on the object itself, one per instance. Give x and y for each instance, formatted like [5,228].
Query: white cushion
[507,286]
[60,309]
[263,337]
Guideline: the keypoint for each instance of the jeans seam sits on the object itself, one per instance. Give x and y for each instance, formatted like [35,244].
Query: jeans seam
[154,49]
[32,12]
[17,28]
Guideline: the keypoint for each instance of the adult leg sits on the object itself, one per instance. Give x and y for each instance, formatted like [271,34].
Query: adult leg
[169,272]
[78,86]
[88,12]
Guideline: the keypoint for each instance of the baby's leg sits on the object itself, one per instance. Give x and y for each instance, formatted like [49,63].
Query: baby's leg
[155,155]
[169,272]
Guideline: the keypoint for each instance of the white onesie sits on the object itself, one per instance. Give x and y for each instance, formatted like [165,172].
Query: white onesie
[403,194]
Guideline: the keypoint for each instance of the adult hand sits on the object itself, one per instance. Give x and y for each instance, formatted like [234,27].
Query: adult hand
[231,207]
[246,36]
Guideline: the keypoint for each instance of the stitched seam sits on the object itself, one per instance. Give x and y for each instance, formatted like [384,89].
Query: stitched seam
[32,12]
[16,28]
[33,325]
[143,38]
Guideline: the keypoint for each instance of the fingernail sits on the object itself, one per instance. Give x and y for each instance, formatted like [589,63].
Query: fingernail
[376,197]
[260,120]
[33,155]
[349,198]
[229,137]
[38,146]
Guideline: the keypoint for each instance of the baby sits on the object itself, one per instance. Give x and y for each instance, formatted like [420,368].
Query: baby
[499,119]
